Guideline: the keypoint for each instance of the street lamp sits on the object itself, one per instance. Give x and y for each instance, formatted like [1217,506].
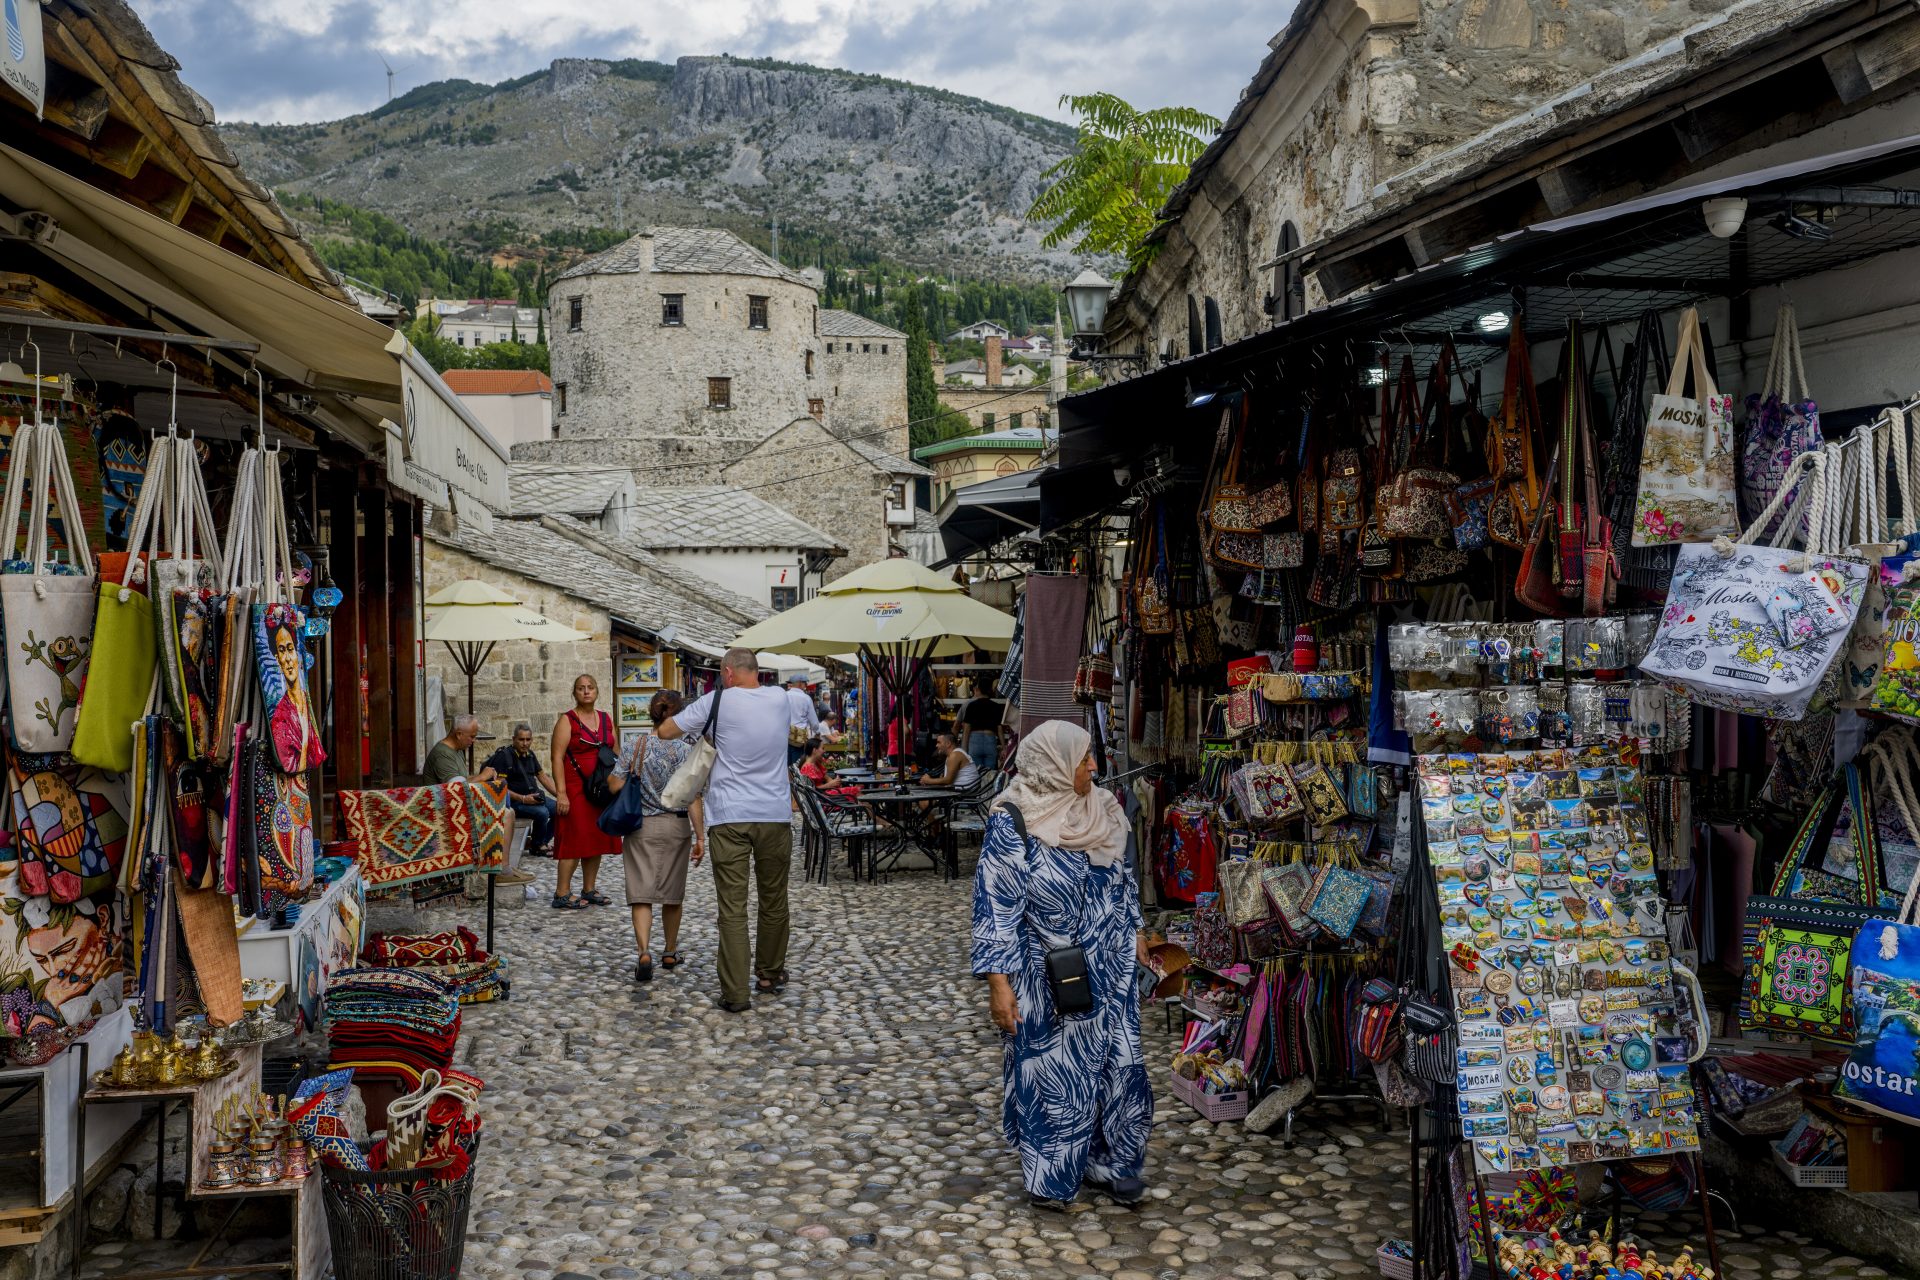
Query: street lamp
[1087,297]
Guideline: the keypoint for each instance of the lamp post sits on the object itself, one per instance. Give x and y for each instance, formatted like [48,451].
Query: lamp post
[1087,297]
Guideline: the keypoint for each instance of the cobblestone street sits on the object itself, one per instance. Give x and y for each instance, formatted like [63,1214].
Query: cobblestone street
[851,1126]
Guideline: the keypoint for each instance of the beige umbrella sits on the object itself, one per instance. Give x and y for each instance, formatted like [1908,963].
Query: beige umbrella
[897,615]
[472,616]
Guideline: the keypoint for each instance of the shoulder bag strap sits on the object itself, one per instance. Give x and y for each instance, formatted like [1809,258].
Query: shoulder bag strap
[1818,822]
[69,503]
[140,529]
[1866,839]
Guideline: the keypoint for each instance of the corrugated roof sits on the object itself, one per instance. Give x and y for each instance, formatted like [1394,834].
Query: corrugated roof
[668,517]
[835,323]
[687,251]
[559,489]
[497,382]
[1014,438]
[534,551]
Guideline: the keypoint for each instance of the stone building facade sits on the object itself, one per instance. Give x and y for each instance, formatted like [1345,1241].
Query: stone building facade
[522,679]
[682,333]
[866,375]
[859,494]
[1353,99]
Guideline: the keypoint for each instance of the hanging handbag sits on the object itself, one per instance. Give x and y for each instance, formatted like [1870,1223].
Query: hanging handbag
[1274,503]
[48,608]
[116,692]
[1414,501]
[1152,601]
[1341,507]
[1512,438]
[1231,510]
[1796,951]
[1686,458]
[185,600]
[1756,628]
[1586,566]
[1430,1040]
[1887,556]
[1779,427]
[280,640]
[282,828]
[1265,794]
[1534,584]
[1884,965]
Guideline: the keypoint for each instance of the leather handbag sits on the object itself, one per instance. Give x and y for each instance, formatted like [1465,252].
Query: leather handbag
[1798,952]
[1586,570]
[1231,510]
[689,781]
[1534,585]
[624,816]
[1512,438]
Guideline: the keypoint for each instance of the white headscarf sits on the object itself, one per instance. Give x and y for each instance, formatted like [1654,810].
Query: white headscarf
[1055,813]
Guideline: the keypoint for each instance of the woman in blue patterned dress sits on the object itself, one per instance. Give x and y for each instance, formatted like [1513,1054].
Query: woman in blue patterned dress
[1078,1107]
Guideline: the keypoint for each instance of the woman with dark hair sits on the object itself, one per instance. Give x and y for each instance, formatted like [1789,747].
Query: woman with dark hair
[658,854]
[578,735]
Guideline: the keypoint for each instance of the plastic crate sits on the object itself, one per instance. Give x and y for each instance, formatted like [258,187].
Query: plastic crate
[1832,1176]
[1217,1107]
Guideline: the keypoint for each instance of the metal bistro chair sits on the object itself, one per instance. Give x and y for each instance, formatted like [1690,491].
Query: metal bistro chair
[844,820]
[968,815]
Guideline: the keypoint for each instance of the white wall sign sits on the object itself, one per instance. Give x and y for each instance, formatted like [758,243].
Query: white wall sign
[23,58]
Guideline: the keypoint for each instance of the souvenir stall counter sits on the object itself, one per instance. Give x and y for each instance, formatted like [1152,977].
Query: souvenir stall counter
[1538,755]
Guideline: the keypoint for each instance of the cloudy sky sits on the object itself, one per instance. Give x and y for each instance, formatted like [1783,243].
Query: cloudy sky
[298,60]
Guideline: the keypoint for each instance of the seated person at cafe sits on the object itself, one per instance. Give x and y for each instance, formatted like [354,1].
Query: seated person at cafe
[813,767]
[957,769]
[530,789]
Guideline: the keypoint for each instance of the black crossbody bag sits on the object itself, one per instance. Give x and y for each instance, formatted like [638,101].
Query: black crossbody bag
[1067,980]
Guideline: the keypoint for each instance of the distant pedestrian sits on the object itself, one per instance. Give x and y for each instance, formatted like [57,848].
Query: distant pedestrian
[657,855]
[804,719]
[578,736]
[749,819]
[980,721]
[1077,1103]
[530,788]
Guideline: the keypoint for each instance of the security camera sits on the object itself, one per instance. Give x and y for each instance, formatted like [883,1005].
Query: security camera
[1725,215]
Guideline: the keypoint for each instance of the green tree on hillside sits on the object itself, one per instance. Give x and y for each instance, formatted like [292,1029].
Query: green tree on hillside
[923,396]
[1107,195]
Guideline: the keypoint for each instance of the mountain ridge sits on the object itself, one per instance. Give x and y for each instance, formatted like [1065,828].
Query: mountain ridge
[929,177]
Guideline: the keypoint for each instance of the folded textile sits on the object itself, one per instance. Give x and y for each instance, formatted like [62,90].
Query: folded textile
[416,833]
[411,950]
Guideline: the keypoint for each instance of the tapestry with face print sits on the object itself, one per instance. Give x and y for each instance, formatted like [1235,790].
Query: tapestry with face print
[60,963]
[279,641]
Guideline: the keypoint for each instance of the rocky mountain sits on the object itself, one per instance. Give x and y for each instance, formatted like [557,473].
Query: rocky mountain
[925,176]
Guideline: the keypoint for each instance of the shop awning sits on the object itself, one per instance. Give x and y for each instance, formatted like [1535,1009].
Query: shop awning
[184,282]
[976,517]
[439,451]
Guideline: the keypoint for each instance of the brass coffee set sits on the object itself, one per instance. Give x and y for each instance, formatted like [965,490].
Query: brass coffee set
[148,1062]
[254,1146]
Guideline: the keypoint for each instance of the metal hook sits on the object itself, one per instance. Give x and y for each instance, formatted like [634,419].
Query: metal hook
[173,395]
[36,373]
[260,407]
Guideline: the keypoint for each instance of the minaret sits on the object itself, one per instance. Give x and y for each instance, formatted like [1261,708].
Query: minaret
[1059,363]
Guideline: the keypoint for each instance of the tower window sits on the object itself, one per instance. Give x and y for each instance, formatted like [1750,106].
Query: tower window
[756,312]
[672,309]
[719,393]
[575,306]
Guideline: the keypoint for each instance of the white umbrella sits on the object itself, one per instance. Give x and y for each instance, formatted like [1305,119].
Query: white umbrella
[472,616]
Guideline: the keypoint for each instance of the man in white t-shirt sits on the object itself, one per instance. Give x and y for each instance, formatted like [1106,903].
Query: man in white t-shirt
[748,805]
[803,715]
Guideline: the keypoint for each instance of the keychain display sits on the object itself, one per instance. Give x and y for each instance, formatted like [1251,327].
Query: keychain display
[1558,956]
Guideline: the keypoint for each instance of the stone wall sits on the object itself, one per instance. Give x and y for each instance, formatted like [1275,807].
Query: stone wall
[684,460]
[627,374]
[866,380]
[523,679]
[1368,89]
[804,470]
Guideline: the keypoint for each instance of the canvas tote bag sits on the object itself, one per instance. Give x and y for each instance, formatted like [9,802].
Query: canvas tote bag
[280,639]
[1883,969]
[1686,455]
[1779,427]
[183,590]
[119,683]
[48,608]
[1753,627]
[689,781]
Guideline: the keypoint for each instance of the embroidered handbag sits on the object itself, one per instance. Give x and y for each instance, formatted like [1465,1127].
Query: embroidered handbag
[1153,607]
[1265,794]
[1414,503]
[1511,447]
[1240,895]
[1274,503]
[1093,675]
[280,639]
[1258,550]
[182,585]
[1467,510]
[1797,952]
[1779,427]
[281,828]
[1756,629]
[1534,584]
[1319,794]
[1341,509]
[1586,567]
[1231,510]
[48,607]
[1686,457]
[1243,711]
[1289,887]
[1428,562]
[1340,896]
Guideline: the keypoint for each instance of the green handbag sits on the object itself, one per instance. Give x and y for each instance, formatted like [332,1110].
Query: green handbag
[1798,952]
[118,685]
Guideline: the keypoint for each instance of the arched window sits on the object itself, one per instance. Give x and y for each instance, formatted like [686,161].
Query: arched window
[1006,467]
[1213,325]
[1289,285]
[1195,344]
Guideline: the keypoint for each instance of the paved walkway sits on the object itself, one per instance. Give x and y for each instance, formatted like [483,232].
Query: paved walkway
[851,1126]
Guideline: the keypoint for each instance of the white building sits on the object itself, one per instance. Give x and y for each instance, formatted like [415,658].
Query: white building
[514,405]
[980,331]
[973,373]
[733,539]
[481,322]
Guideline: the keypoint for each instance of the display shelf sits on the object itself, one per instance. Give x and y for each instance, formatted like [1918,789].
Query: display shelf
[61,1087]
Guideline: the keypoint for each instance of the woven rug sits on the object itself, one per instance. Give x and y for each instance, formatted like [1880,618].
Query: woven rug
[487,818]
[1055,633]
[409,833]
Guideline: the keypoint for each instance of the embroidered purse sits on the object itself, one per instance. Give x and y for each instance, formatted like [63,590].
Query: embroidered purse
[1467,509]
[1231,510]
[1243,712]
[1413,503]
[1273,504]
[1265,794]
[1340,896]
[1289,887]
[1340,506]
[1319,794]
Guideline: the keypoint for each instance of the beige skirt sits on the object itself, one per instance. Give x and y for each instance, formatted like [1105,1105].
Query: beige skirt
[656,861]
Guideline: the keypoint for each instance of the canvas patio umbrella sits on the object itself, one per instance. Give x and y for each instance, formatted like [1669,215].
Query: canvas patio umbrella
[896,615]
[471,616]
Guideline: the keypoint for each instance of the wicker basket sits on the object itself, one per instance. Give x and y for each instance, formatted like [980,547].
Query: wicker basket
[1217,1107]
[1830,1176]
[1392,1265]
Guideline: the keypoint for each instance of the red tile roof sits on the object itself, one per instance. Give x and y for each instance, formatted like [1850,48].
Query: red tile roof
[496,382]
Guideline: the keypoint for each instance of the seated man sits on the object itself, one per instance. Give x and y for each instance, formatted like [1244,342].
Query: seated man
[448,761]
[530,790]
[957,767]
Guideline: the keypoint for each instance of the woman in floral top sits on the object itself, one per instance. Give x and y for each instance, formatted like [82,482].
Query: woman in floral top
[658,854]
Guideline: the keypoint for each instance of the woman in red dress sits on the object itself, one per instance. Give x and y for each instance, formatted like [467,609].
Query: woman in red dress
[578,736]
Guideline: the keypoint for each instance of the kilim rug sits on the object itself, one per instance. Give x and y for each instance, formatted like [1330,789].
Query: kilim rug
[487,817]
[409,833]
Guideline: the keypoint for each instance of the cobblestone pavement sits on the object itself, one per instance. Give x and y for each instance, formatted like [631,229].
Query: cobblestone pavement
[851,1126]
